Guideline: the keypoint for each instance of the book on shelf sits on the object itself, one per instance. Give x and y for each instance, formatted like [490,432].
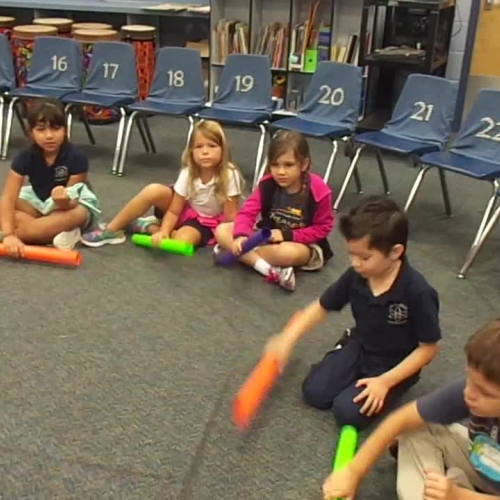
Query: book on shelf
[180,7]
[346,51]
[272,41]
[229,37]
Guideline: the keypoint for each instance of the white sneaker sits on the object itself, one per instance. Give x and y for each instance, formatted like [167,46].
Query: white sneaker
[284,277]
[67,240]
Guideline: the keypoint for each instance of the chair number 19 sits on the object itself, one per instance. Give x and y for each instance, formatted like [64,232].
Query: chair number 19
[244,83]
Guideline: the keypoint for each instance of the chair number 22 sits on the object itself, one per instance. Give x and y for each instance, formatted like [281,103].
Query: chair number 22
[110,70]
[485,133]
[244,83]
[423,113]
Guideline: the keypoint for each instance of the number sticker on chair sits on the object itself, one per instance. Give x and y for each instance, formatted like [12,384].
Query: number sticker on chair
[487,132]
[423,113]
[176,78]
[332,97]
[59,63]
[244,83]
[110,70]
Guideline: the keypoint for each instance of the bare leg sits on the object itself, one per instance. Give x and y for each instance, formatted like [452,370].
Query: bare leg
[285,254]
[224,237]
[187,234]
[43,229]
[153,195]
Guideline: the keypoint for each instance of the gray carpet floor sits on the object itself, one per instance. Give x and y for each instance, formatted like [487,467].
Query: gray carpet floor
[116,378]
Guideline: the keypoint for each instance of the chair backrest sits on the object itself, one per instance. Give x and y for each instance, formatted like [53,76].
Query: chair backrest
[112,70]
[479,135]
[245,83]
[178,76]
[425,110]
[334,95]
[57,63]
[7,74]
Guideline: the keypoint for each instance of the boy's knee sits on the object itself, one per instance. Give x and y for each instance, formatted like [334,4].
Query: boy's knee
[314,394]
[346,412]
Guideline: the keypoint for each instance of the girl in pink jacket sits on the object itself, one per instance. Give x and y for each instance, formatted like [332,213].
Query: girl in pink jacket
[295,204]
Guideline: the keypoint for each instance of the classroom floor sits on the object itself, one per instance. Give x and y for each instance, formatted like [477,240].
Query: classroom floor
[116,378]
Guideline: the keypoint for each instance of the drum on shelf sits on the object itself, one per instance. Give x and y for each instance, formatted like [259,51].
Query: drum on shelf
[62,24]
[7,23]
[88,38]
[91,26]
[143,38]
[23,40]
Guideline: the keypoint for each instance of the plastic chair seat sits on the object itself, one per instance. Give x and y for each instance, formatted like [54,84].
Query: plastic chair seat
[102,100]
[35,91]
[401,145]
[234,116]
[161,106]
[465,165]
[311,128]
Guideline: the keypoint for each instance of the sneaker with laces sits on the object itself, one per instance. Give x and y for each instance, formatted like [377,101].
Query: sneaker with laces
[67,240]
[217,250]
[284,277]
[141,224]
[101,237]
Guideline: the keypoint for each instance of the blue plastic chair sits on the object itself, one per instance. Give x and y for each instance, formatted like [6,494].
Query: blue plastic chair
[7,80]
[244,97]
[56,70]
[475,153]
[420,123]
[177,90]
[481,241]
[331,106]
[111,84]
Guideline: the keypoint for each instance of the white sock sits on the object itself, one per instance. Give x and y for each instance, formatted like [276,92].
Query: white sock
[262,267]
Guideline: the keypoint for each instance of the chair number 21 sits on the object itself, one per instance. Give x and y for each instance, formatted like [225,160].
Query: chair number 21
[244,83]
[423,113]
[110,70]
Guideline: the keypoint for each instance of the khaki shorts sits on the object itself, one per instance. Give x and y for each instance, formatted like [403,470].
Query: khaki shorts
[316,261]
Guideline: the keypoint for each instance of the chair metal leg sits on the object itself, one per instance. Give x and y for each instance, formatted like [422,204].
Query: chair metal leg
[487,213]
[190,131]
[348,151]
[2,106]
[20,120]
[383,174]
[357,181]
[126,141]
[149,135]
[69,120]
[119,140]
[350,172]
[444,190]
[331,161]
[86,124]
[145,140]
[473,252]
[262,169]
[416,186]
[8,127]
[260,152]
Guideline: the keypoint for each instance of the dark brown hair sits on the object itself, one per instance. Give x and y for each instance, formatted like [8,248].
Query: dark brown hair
[284,141]
[383,221]
[47,112]
[483,351]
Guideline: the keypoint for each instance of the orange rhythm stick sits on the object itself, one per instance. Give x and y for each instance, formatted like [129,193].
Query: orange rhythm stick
[256,388]
[50,255]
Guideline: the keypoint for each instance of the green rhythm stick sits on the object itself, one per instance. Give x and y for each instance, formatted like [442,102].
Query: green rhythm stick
[166,245]
[346,447]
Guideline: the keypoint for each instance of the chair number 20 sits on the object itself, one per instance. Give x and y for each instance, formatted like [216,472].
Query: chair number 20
[333,97]
[110,70]
[423,113]
[175,78]
[59,63]
[244,83]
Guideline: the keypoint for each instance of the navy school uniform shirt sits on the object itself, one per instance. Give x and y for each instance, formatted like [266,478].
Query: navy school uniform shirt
[31,163]
[447,406]
[390,326]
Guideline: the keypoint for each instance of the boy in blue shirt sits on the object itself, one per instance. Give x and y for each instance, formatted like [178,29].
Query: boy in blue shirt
[439,457]
[396,315]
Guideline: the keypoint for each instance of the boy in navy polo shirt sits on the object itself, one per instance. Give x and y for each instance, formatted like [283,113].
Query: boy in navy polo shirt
[439,457]
[58,202]
[396,315]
